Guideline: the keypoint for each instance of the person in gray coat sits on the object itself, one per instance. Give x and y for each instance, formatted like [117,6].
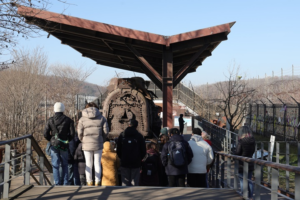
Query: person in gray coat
[92,131]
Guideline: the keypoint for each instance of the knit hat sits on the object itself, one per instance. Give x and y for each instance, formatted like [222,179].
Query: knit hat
[164,131]
[59,107]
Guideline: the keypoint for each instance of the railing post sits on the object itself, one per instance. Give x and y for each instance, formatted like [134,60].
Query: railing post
[222,171]
[28,161]
[228,171]
[297,186]
[41,164]
[270,160]
[236,174]
[229,142]
[217,171]
[274,184]
[13,162]
[262,158]
[287,161]
[6,171]
[245,180]
[213,174]
[277,151]
[257,181]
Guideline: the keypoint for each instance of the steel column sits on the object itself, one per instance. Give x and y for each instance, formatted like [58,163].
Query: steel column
[28,161]
[167,87]
[6,171]
[274,184]
[257,181]
[41,163]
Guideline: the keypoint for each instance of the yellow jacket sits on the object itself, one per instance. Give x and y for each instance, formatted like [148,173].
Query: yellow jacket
[110,165]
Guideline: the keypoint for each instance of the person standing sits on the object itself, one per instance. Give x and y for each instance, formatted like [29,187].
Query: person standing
[181,123]
[203,156]
[246,148]
[131,149]
[92,130]
[176,155]
[59,130]
[110,165]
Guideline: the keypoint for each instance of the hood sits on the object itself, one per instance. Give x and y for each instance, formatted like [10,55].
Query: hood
[58,118]
[196,138]
[176,138]
[91,112]
[130,131]
[107,147]
[248,140]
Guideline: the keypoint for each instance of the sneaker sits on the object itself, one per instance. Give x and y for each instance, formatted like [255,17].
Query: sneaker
[98,184]
[90,184]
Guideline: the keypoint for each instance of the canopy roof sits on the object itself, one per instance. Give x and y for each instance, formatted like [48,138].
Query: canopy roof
[108,45]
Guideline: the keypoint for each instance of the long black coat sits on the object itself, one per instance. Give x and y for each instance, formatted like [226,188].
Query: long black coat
[246,148]
[79,157]
[170,169]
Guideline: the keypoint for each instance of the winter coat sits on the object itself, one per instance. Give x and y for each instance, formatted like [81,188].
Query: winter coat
[64,126]
[80,159]
[124,155]
[92,129]
[151,180]
[110,165]
[203,155]
[170,169]
[73,144]
[245,148]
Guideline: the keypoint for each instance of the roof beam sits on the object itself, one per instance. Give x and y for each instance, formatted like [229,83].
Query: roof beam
[149,70]
[185,69]
[181,46]
[119,66]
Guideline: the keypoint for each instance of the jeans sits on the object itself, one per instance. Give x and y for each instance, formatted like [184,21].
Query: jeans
[89,165]
[59,157]
[73,174]
[250,184]
[130,176]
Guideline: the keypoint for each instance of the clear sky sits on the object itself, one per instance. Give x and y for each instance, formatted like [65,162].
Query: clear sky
[265,37]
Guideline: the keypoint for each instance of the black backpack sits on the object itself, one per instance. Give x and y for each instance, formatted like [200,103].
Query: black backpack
[130,145]
[150,164]
[177,154]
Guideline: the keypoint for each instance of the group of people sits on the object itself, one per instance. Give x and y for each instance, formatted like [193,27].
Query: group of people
[85,157]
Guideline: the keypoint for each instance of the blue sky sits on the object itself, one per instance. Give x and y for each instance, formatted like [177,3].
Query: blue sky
[265,37]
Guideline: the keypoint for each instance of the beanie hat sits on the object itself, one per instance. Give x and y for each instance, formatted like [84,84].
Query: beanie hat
[59,107]
[164,131]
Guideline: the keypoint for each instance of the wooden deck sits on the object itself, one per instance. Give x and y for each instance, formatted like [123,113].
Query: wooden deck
[126,193]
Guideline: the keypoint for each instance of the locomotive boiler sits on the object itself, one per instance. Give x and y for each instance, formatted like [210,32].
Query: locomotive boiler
[128,98]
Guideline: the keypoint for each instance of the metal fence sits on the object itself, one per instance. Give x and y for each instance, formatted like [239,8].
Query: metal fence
[281,120]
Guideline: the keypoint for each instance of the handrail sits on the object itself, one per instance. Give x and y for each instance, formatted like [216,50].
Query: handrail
[15,139]
[262,162]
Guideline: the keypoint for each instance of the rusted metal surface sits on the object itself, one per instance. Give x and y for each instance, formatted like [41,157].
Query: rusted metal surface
[264,163]
[128,99]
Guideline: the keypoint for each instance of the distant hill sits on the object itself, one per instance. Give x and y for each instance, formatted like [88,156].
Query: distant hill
[91,89]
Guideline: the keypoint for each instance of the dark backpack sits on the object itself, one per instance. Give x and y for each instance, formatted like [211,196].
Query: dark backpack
[150,164]
[177,154]
[130,145]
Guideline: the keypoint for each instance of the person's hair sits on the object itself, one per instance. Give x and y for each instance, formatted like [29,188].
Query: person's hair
[151,145]
[205,136]
[91,104]
[197,131]
[133,123]
[174,131]
[164,139]
[245,131]
[181,115]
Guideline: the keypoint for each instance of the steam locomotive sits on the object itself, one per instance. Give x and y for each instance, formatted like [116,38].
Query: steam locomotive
[128,98]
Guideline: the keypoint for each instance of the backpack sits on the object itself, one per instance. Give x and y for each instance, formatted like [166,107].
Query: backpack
[177,154]
[130,145]
[150,164]
[55,141]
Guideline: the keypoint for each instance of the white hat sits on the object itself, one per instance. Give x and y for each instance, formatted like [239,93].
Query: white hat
[59,107]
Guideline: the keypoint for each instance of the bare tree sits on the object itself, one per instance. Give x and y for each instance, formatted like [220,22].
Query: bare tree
[13,26]
[235,94]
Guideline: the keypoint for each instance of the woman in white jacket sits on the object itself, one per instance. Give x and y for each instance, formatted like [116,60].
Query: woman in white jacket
[203,156]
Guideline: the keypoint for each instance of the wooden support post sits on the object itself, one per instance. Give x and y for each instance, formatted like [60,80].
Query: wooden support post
[167,87]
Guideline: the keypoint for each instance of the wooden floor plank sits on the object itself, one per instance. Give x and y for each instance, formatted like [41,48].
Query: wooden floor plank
[126,193]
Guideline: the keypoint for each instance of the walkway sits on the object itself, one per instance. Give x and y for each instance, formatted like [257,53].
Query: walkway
[124,193]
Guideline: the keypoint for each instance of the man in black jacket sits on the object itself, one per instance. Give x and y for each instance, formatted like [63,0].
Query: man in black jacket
[59,131]
[131,149]
[176,155]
